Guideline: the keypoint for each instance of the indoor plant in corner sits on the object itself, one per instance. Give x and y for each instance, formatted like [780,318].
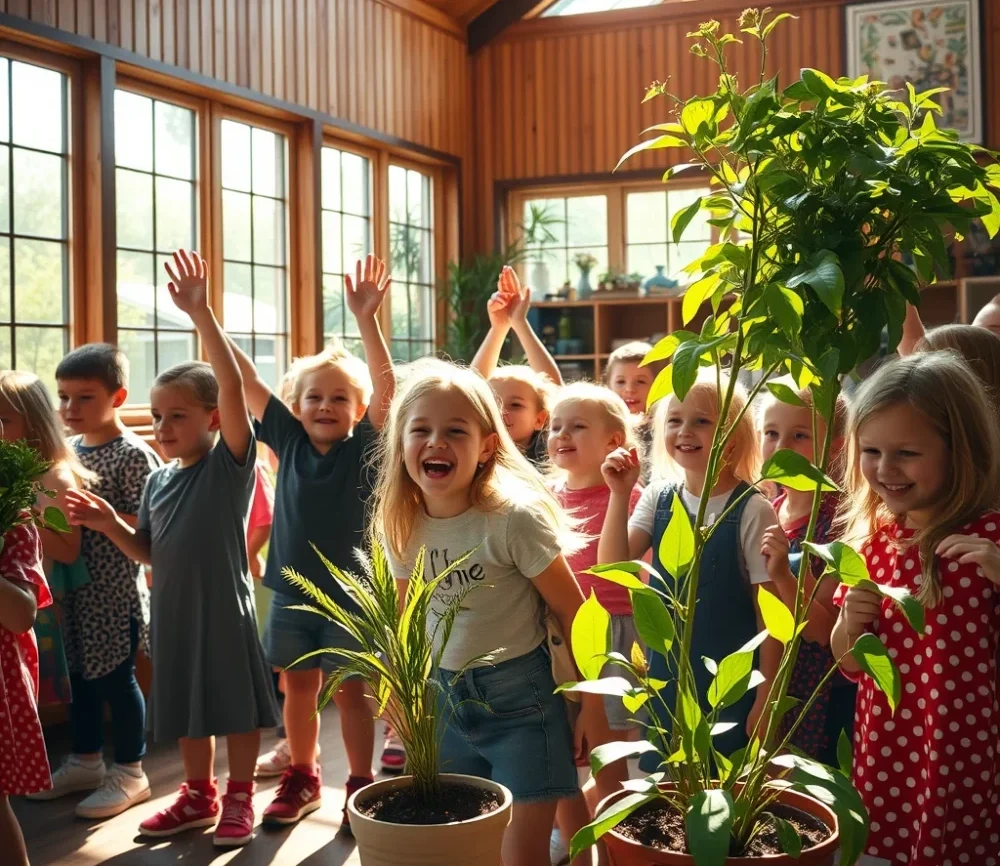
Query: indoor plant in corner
[821,185]
[427,816]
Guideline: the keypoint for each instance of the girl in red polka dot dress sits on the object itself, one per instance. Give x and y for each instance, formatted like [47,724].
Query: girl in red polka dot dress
[924,476]
[24,769]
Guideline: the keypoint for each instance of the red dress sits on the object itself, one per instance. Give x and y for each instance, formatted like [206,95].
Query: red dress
[928,774]
[24,767]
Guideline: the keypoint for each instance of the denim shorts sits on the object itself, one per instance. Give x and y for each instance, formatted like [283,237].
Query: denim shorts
[505,723]
[290,634]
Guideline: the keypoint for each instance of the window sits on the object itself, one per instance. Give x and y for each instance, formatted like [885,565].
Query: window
[347,236]
[157,206]
[648,236]
[579,7]
[556,231]
[411,236]
[254,244]
[34,218]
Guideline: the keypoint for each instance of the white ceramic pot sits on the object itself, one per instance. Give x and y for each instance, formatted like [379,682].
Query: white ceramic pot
[476,842]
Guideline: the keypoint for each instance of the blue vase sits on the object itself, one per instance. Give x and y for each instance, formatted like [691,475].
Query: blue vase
[583,288]
[659,282]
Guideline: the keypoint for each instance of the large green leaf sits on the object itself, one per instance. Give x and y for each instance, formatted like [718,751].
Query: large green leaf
[782,392]
[695,113]
[653,621]
[785,308]
[657,143]
[591,637]
[708,822]
[619,576]
[55,519]
[601,756]
[696,295]
[912,609]
[732,679]
[682,219]
[871,654]
[777,617]
[825,276]
[685,366]
[616,687]
[788,837]
[790,469]
[845,753]
[663,386]
[611,817]
[842,559]
[676,548]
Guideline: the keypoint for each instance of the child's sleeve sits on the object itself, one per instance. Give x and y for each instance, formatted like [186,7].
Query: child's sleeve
[21,561]
[644,510]
[758,515]
[139,464]
[533,545]
[279,427]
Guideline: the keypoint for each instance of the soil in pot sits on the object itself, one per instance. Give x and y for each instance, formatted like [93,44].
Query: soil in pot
[454,802]
[656,825]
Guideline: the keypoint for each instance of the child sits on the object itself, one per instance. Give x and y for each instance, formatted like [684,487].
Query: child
[631,381]
[23,765]
[923,481]
[523,392]
[209,673]
[322,445]
[588,423]
[451,480]
[987,319]
[107,619]
[784,426]
[978,347]
[726,616]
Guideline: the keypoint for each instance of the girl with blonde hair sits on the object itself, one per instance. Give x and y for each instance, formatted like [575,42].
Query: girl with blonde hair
[923,476]
[733,565]
[451,481]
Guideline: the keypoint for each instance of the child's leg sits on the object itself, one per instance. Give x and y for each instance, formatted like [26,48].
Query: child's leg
[301,719]
[526,842]
[572,814]
[198,754]
[121,690]
[11,839]
[357,727]
[86,714]
[243,751]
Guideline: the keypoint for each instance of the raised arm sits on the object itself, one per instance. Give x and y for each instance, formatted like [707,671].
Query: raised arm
[364,298]
[538,356]
[189,291]
[913,331]
[618,543]
[58,546]
[500,308]
[17,605]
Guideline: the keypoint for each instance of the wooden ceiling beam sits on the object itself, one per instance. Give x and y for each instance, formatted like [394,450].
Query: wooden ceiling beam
[493,21]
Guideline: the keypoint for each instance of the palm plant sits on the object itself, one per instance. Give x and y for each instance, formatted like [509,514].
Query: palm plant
[399,655]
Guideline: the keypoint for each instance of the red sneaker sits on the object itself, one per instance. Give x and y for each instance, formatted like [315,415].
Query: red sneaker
[236,824]
[354,783]
[299,793]
[191,809]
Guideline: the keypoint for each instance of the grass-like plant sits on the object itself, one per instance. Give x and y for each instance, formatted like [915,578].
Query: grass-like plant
[21,471]
[400,653]
[816,190]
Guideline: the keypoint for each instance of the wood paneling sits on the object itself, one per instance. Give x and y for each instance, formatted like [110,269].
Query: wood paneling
[562,97]
[333,56]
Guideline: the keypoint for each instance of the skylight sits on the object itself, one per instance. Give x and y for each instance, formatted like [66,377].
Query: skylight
[580,7]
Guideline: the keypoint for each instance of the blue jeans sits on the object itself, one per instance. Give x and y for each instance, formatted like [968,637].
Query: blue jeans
[505,723]
[120,690]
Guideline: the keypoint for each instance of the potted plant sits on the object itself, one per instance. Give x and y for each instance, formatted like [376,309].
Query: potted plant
[585,262]
[537,235]
[21,472]
[826,182]
[426,816]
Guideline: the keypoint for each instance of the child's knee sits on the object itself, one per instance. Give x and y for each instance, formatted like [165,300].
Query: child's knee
[350,698]
[299,683]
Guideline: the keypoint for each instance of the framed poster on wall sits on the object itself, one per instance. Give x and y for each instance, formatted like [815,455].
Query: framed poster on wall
[929,43]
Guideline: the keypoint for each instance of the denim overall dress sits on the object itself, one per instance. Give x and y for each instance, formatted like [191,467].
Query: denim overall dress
[724,620]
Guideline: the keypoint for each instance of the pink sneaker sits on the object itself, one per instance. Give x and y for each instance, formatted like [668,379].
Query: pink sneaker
[393,753]
[299,793]
[191,809]
[236,824]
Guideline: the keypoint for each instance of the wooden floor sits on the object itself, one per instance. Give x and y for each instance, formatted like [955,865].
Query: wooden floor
[55,835]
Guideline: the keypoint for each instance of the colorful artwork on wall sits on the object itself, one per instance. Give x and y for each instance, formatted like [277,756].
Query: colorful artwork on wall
[930,45]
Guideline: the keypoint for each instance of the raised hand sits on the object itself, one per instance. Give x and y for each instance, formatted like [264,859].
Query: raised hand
[188,284]
[621,470]
[367,291]
[774,547]
[86,509]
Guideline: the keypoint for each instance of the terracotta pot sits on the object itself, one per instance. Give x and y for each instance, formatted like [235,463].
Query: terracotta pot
[476,841]
[626,852]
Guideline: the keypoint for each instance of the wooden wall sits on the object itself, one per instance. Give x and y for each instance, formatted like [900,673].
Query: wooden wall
[399,68]
[564,99]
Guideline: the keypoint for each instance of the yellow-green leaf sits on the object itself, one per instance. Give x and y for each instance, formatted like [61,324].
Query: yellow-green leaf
[661,141]
[590,637]
[676,549]
[870,653]
[778,619]
[697,294]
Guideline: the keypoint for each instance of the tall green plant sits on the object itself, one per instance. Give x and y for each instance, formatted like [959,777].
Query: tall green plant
[397,656]
[21,471]
[817,188]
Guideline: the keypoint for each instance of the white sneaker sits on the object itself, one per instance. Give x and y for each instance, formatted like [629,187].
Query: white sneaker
[120,791]
[72,776]
[279,759]
[558,850]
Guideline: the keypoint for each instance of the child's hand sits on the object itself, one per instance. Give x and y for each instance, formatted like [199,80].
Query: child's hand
[86,509]
[366,293]
[188,285]
[860,609]
[503,304]
[972,549]
[621,470]
[774,549]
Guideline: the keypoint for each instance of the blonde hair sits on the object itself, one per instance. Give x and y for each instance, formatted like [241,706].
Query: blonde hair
[335,357]
[744,458]
[944,389]
[29,398]
[196,377]
[979,348]
[541,384]
[839,424]
[505,479]
[630,353]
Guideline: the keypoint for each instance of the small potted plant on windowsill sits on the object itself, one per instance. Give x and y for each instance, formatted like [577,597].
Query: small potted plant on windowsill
[825,182]
[426,816]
